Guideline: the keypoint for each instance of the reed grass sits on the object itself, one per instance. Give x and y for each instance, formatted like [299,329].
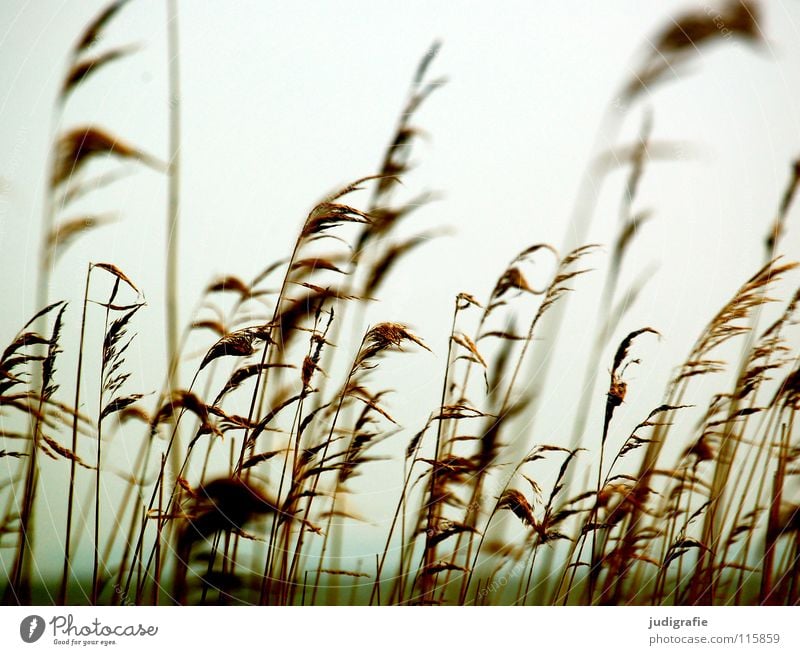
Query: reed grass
[281,412]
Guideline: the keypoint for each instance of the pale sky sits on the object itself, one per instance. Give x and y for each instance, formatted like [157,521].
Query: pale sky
[283,102]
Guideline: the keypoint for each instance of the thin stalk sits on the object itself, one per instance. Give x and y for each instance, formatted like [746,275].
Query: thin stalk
[62,594]
[297,421]
[20,584]
[159,529]
[397,514]
[433,503]
[587,197]
[145,456]
[593,574]
[473,564]
[209,570]
[96,562]
[140,541]
[299,544]
[762,483]
[173,205]
[505,408]
[773,532]
[173,191]
[287,532]
[759,448]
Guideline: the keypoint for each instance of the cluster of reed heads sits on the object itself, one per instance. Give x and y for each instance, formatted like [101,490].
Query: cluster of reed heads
[242,488]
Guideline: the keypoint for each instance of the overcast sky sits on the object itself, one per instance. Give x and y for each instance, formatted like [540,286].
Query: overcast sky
[284,101]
